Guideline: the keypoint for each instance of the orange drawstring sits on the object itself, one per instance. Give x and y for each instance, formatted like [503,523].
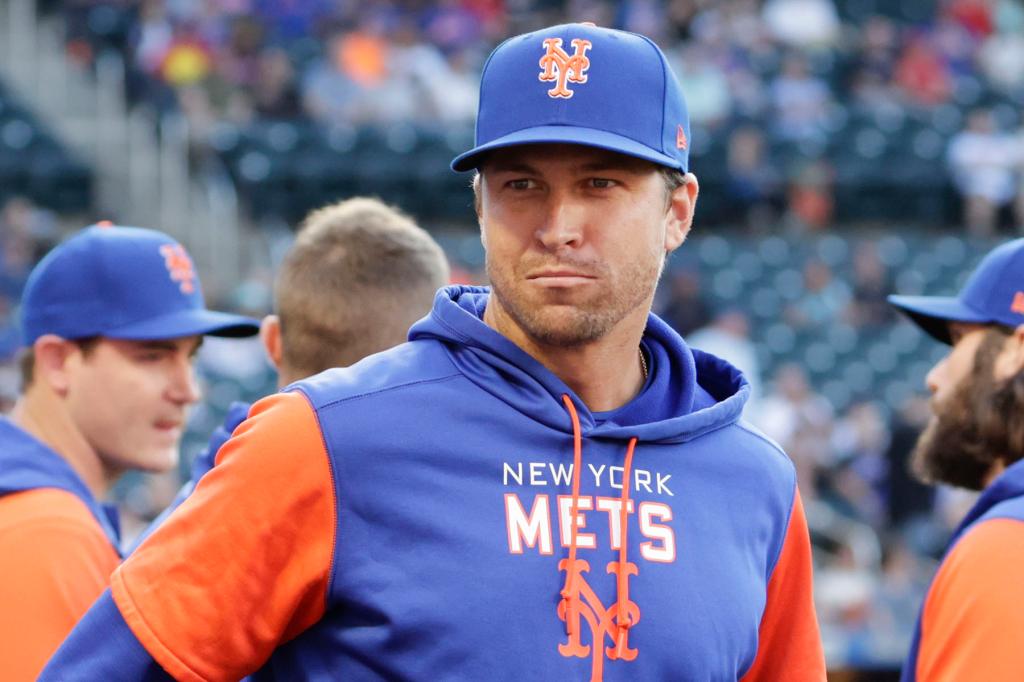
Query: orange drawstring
[570,599]
[622,619]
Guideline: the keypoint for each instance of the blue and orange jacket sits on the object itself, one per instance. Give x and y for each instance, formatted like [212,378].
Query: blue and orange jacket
[971,626]
[409,517]
[58,547]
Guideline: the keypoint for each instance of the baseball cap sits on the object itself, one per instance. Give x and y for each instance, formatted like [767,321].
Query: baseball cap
[993,294]
[122,283]
[581,84]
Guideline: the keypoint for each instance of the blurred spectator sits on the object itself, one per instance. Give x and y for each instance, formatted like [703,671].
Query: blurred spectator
[871,285]
[860,479]
[922,73]
[811,197]
[26,232]
[442,94]
[843,588]
[974,15]
[728,337]
[451,25]
[274,92]
[908,497]
[983,161]
[754,185]
[794,415]
[707,92]
[879,46]
[800,100]
[802,23]
[823,298]
[1001,58]
[352,83]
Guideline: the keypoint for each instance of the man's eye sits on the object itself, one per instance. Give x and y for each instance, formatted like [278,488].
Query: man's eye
[521,183]
[601,183]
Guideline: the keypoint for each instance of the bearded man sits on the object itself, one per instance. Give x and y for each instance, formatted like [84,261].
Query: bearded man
[971,622]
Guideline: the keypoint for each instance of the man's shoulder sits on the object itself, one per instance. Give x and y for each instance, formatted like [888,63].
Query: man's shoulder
[45,507]
[760,447]
[410,365]
[52,522]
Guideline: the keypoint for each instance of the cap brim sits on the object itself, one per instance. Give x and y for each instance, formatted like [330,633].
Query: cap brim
[589,137]
[186,323]
[934,313]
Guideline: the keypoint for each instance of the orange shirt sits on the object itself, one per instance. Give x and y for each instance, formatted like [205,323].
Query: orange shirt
[55,561]
[972,626]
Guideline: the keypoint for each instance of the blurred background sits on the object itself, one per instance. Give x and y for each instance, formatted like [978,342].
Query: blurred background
[846,149]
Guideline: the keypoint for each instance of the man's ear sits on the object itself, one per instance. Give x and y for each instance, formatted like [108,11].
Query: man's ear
[55,357]
[1011,361]
[270,335]
[682,204]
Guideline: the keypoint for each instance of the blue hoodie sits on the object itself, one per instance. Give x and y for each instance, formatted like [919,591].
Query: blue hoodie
[451,467]
[970,596]
[27,464]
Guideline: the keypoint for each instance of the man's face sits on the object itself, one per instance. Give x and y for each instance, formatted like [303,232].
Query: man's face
[128,399]
[576,238]
[966,435]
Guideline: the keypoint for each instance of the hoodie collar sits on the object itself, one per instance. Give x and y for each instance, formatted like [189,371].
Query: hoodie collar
[28,464]
[1008,485]
[688,393]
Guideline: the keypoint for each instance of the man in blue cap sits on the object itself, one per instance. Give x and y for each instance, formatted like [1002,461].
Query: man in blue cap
[111,319]
[971,622]
[545,483]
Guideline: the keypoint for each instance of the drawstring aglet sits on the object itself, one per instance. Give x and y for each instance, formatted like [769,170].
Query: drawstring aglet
[620,641]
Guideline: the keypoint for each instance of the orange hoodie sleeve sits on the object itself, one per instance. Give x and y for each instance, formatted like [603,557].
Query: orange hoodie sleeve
[972,626]
[789,644]
[243,565]
[54,562]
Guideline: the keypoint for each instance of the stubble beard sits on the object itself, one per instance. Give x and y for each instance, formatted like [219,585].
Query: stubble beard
[575,323]
[960,445]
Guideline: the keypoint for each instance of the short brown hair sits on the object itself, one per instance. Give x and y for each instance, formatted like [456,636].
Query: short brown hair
[359,274]
[27,359]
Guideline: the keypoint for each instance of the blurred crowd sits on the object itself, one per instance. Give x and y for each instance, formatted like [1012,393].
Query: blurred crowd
[777,89]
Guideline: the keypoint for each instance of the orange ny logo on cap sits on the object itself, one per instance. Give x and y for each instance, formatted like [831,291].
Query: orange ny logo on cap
[1018,303]
[179,265]
[561,67]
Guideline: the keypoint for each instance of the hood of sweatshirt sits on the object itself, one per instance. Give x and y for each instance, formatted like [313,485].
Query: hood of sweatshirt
[1008,485]
[28,464]
[687,393]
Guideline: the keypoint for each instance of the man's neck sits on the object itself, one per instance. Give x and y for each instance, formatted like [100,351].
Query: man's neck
[606,373]
[44,417]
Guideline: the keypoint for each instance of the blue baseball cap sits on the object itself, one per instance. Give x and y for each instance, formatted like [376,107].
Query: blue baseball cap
[122,283]
[993,294]
[581,84]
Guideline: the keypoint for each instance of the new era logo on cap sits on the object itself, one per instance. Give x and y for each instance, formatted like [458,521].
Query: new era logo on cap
[1018,303]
